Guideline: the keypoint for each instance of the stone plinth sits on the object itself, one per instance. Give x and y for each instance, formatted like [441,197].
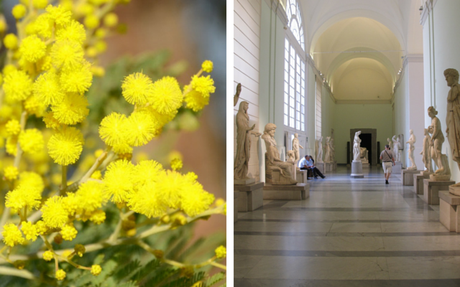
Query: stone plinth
[357,169]
[301,176]
[320,167]
[431,190]
[449,213]
[436,177]
[287,192]
[455,190]
[366,166]
[397,167]
[408,176]
[250,196]
[244,181]
[418,182]
[329,167]
[235,206]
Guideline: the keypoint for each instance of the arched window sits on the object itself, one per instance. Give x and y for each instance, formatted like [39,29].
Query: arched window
[295,21]
[294,70]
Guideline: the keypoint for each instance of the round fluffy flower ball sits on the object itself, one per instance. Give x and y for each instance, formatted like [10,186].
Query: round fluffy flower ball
[221,252]
[96,270]
[32,49]
[19,11]
[48,255]
[60,274]
[13,127]
[17,86]
[207,66]
[12,235]
[10,41]
[40,4]
[65,146]
[166,97]
[137,88]
[54,213]
[31,141]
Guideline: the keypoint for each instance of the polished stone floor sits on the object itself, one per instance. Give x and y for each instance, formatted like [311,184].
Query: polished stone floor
[349,232]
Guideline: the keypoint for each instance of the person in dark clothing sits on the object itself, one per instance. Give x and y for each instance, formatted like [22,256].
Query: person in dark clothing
[308,163]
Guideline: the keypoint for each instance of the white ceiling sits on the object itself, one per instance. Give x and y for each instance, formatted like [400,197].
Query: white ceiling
[361,41]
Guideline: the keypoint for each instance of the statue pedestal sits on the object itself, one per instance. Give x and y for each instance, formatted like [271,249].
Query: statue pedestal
[408,176]
[235,206]
[431,190]
[320,167]
[287,192]
[301,176]
[366,165]
[435,177]
[357,169]
[329,167]
[418,181]
[449,213]
[244,181]
[455,190]
[250,196]
[397,167]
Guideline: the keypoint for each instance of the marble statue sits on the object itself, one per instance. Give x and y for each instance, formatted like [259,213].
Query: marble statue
[319,149]
[364,155]
[295,147]
[396,148]
[411,143]
[328,155]
[437,139]
[291,156]
[426,153]
[273,161]
[357,147]
[237,94]
[243,141]
[453,115]
[332,145]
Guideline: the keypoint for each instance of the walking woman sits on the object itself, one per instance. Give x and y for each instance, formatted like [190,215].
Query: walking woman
[388,160]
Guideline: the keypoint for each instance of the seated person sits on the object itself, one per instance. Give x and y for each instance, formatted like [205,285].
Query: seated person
[307,163]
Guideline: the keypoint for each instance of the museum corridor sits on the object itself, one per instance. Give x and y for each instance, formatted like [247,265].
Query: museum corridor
[349,232]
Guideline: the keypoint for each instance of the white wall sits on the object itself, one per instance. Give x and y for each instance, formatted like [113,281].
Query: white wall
[247,64]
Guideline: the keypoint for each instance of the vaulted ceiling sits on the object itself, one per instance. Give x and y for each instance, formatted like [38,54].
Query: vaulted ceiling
[360,45]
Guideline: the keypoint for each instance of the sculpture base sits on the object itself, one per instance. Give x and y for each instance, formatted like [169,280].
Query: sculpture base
[418,182]
[357,169]
[366,165]
[244,181]
[455,190]
[412,168]
[250,196]
[443,177]
[431,190]
[408,176]
[449,212]
[287,192]
[301,176]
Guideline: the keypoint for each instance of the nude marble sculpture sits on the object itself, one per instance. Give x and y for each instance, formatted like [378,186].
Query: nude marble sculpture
[437,139]
[396,148]
[328,155]
[319,149]
[243,142]
[453,115]
[273,162]
[411,143]
[357,147]
[426,153]
[295,147]
[332,145]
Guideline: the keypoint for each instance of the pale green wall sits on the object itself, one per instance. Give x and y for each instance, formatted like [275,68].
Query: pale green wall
[355,116]
[327,114]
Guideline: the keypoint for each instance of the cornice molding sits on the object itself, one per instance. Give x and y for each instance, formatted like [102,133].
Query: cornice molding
[363,102]
[427,10]
[278,8]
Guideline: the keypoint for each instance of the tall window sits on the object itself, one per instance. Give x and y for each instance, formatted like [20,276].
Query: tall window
[319,85]
[294,71]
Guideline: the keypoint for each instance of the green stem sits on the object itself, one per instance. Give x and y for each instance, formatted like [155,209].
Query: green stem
[15,272]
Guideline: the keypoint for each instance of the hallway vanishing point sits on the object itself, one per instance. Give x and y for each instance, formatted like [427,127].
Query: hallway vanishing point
[349,232]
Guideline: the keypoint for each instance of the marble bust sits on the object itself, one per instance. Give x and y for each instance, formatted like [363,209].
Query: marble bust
[319,149]
[273,163]
[411,143]
[295,147]
[357,147]
[453,115]
[243,142]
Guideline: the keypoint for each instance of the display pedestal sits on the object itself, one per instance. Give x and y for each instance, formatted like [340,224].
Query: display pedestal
[250,196]
[449,213]
[287,192]
[301,176]
[408,176]
[366,165]
[455,190]
[418,181]
[357,169]
[320,167]
[431,190]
